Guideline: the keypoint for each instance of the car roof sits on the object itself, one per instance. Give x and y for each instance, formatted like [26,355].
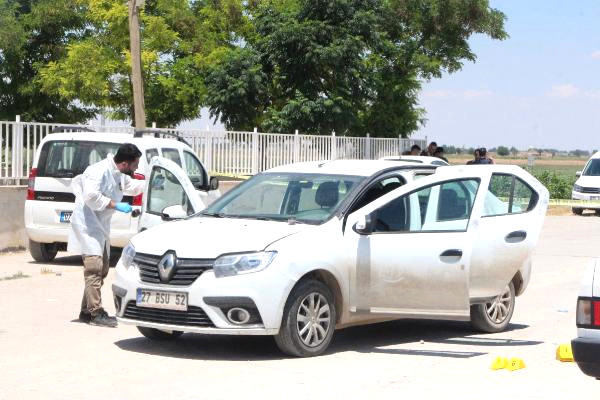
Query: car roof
[427,160]
[596,155]
[344,167]
[116,137]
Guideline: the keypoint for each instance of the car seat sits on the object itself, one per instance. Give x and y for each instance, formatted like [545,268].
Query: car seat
[327,195]
[450,206]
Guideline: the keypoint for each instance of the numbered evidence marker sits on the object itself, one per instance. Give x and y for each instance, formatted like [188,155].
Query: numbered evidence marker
[515,364]
[499,363]
[564,353]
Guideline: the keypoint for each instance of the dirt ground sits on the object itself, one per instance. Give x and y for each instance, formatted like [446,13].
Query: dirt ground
[45,353]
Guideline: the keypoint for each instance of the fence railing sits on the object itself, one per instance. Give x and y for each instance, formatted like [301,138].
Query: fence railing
[222,152]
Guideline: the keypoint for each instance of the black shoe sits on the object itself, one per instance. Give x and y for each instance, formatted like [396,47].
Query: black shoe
[85,317]
[104,320]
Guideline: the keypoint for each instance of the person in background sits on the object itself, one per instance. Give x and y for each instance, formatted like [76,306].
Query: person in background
[439,153]
[475,158]
[430,150]
[484,158]
[98,194]
[415,150]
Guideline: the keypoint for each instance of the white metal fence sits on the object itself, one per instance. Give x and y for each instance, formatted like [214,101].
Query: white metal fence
[222,152]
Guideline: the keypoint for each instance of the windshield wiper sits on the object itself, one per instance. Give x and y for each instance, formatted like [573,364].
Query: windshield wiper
[215,215]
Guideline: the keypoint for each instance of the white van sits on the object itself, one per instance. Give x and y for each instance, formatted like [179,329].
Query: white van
[587,186]
[62,156]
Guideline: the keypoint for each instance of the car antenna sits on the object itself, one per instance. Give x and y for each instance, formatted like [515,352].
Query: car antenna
[325,162]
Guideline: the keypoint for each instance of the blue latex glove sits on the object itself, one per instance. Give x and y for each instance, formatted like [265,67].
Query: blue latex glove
[123,207]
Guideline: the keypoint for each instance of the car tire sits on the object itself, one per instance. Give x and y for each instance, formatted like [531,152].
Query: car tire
[577,211]
[157,334]
[494,316]
[42,252]
[309,335]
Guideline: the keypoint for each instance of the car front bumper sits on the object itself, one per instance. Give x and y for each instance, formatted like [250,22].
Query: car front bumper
[267,290]
[587,197]
[586,352]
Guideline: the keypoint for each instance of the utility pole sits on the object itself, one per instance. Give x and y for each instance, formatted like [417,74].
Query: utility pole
[136,63]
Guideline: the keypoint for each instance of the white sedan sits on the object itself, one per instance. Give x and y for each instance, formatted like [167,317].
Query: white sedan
[301,250]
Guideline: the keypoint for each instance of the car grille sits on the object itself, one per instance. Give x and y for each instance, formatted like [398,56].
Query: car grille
[186,270]
[194,316]
[590,190]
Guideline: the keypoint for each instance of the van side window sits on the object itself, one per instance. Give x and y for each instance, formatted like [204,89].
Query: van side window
[193,168]
[151,153]
[173,155]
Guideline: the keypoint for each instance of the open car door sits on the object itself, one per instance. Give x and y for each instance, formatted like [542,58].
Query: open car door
[169,194]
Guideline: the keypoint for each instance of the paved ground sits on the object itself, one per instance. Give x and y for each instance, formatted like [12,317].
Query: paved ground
[44,354]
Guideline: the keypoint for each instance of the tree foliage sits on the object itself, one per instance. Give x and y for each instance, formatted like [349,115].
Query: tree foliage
[502,151]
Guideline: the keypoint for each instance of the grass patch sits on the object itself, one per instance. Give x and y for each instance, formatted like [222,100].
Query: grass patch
[18,275]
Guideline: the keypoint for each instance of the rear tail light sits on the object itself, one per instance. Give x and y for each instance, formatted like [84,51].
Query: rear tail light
[588,312]
[137,200]
[31,184]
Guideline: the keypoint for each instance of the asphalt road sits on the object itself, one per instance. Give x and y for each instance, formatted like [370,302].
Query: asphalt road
[44,353]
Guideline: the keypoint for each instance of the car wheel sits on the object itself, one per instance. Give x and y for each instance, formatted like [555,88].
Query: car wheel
[577,211]
[494,315]
[308,320]
[157,334]
[42,252]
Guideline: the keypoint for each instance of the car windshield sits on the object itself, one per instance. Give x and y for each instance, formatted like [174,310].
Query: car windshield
[309,198]
[593,168]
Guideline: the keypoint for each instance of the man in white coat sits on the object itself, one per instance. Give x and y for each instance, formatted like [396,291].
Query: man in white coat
[98,193]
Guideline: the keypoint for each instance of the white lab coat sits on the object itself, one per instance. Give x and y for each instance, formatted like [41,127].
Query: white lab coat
[94,189]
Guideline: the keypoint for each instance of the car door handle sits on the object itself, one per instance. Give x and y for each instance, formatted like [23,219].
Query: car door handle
[451,255]
[515,237]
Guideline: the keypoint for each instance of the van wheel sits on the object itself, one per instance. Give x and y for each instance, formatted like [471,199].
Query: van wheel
[577,211]
[157,334]
[42,252]
[494,316]
[308,320]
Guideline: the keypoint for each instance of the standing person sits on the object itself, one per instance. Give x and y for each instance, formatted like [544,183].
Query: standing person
[483,157]
[430,150]
[98,193]
[439,153]
[475,160]
[415,150]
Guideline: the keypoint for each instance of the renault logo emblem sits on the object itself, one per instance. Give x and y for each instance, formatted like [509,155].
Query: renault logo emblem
[166,267]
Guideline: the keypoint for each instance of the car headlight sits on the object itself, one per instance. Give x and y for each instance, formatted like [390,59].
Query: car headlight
[244,263]
[577,188]
[128,255]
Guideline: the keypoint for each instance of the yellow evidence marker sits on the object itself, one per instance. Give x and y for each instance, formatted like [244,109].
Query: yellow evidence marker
[499,363]
[515,364]
[564,353]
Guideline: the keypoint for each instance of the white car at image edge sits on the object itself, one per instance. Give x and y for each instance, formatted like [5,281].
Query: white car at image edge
[301,250]
[587,186]
[586,348]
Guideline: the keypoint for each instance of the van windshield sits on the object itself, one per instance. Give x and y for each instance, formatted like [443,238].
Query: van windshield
[309,198]
[68,158]
[593,168]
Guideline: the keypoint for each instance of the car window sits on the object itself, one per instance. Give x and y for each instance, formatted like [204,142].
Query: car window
[592,168]
[508,194]
[193,168]
[173,155]
[166,190]
[378,189]
[68,158]
[151,153]
[442,207]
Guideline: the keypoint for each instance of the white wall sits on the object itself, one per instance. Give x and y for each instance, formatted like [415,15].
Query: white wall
[12,226]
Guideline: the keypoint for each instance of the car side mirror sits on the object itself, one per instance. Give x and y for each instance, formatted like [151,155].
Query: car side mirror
[214,183]
[173,212]
[578,173]
[364,225]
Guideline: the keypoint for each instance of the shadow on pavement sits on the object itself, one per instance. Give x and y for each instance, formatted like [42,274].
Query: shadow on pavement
[363,339]
[74,261]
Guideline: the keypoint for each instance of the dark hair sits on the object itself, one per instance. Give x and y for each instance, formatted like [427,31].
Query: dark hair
[439,150]
[433,144]
[415,147]
[127,152]
[482,151]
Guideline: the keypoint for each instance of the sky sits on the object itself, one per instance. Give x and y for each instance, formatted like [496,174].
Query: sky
[538,88]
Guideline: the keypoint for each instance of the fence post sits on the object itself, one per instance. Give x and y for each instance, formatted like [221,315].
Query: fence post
[255,151]
[17,148]
[368,147]
[296,146]
[208,149]
[154,125]
[333,146]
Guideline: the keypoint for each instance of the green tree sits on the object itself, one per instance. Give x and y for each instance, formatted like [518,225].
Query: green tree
[34,33]
[353,66]
[502,151]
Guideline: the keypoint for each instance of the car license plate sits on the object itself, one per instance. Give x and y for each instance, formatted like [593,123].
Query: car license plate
[65,216]
[160,299]
[594,198]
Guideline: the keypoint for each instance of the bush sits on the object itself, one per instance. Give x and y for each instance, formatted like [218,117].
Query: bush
[559,186]
[502,151]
